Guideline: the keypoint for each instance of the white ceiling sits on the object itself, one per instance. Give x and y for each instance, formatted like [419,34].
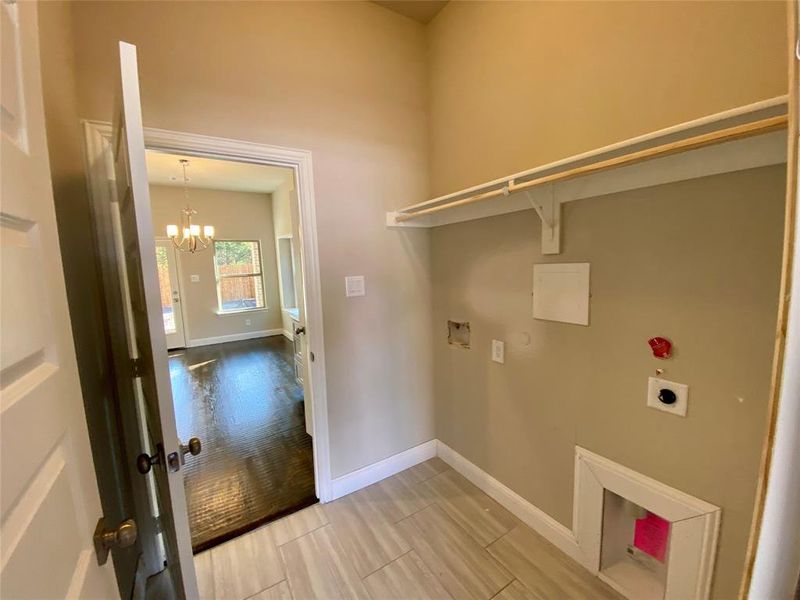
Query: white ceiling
[214,174]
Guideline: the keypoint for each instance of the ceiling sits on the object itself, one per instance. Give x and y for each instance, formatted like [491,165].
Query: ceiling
[421,11]
[214,174]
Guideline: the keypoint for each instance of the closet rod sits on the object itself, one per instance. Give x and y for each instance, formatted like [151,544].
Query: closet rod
[693,143]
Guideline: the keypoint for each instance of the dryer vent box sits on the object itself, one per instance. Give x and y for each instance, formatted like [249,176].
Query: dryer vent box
[458,334]
[561,292]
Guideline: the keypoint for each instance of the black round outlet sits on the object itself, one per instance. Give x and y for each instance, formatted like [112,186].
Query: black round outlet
[667,396]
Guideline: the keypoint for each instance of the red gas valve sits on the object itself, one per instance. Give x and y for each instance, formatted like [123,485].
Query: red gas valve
[661,347]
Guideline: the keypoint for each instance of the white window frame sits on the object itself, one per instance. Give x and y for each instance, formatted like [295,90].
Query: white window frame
[219,278]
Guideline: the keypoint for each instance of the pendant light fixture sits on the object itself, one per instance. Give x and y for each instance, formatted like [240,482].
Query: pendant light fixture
[192,241]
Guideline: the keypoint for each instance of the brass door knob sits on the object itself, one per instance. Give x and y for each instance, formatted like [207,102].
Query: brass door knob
[193,447]
[144,462]
[123,536]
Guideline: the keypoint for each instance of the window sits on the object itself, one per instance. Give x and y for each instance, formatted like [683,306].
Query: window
[240,284]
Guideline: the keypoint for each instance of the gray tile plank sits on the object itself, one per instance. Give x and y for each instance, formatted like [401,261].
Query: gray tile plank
[422,471]
[545,570]
[317,567]
[517,591]
[405,578]
[205,575]
[246,565]
[368,537]
[279,591]
[403,498]
[481,516]
[463,567]
[298,524]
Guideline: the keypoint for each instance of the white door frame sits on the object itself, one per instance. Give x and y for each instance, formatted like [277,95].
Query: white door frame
[97,137]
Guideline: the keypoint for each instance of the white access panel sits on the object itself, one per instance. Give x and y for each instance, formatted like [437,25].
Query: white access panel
[561,292]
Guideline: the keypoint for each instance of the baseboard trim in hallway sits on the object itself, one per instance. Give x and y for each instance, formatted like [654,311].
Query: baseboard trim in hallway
[366,476]
[235,337]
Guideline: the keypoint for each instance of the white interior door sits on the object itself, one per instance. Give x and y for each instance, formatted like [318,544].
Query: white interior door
[171,301]
[49,503]
[147,347]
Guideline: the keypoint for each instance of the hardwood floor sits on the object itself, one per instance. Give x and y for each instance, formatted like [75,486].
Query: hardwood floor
[241,399]
[426,533]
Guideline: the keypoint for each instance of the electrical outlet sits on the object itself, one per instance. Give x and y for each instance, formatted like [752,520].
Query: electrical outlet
[194,278]
[668,396]
[498,351]
[247,322]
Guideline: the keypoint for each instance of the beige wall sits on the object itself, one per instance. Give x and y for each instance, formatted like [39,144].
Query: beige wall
[236,216]
[345,80]
[500,88]
[518,84]
[691,261]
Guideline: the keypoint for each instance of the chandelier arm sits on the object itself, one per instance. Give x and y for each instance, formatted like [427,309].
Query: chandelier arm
[190,242]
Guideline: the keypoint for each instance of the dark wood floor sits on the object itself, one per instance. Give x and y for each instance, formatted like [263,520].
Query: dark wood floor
[241,399]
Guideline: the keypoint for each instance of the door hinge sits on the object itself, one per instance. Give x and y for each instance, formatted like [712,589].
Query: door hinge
[137,367]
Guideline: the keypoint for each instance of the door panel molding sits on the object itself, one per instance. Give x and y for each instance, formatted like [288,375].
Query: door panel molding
[50,497]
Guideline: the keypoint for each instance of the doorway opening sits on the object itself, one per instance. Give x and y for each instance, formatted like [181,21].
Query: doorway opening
[106,158]
[231,301]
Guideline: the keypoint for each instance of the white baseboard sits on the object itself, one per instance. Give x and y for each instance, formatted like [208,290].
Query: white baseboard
[542,523]
[550,529]
[221,339]
[352,482]
[288,334]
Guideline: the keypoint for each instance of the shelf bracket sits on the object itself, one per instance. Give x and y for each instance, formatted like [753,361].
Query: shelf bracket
[548,207]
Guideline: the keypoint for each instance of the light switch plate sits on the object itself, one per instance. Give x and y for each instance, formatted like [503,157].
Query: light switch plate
[654,387]
[194,278]
[498,351]
[354,286]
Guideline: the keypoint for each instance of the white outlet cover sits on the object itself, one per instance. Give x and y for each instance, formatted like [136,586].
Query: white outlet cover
[194,278]
[354,286]
[654,387]
[498,351]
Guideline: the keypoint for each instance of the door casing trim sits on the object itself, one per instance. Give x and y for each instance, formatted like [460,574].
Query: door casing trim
[97,140]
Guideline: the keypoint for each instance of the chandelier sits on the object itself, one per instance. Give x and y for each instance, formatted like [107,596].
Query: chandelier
[191,241]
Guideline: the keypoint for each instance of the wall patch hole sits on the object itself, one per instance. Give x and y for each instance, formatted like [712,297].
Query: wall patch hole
[458,334]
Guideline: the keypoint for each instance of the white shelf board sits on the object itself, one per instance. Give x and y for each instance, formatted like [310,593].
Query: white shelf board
[747,153]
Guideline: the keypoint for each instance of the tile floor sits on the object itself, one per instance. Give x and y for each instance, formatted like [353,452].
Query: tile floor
[425,533]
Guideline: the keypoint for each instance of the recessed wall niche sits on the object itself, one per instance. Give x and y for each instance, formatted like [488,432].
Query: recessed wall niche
[458,334]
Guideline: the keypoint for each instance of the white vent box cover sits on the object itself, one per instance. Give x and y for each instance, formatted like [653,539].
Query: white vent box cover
[561,292]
